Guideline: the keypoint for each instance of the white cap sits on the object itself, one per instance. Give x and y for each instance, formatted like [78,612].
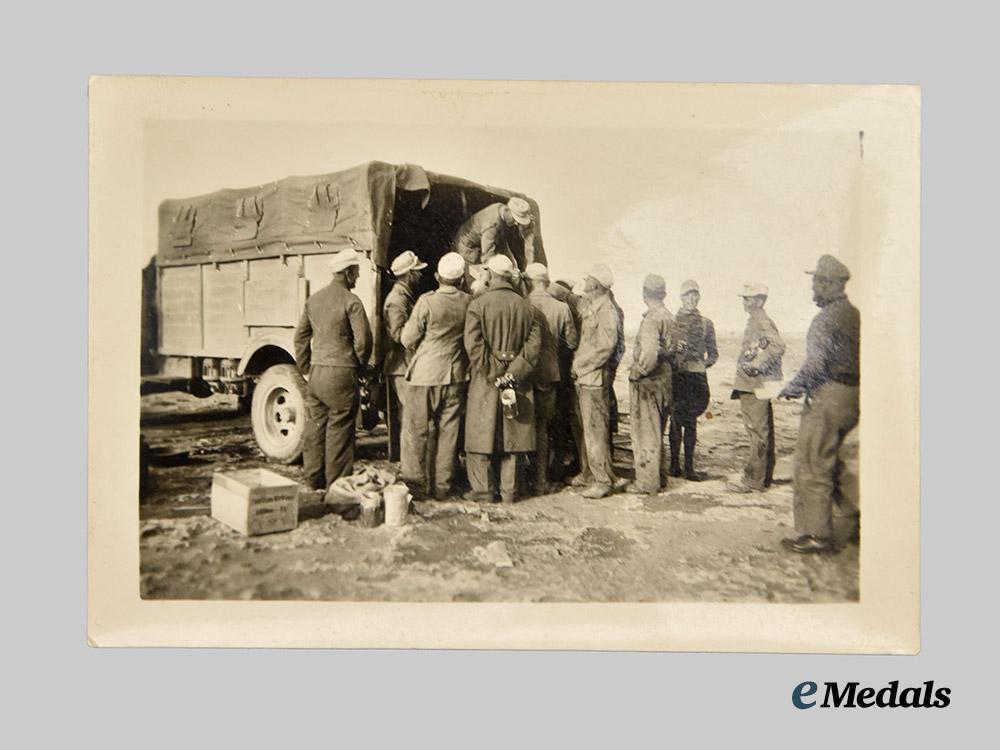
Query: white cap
[451,266]
[754,290]
[689,286]
[602,275]
[521,210]
[344,259]
[405,262]
[536,271]
[500,265]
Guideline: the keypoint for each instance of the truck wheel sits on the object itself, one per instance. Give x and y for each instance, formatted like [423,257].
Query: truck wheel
[278,413]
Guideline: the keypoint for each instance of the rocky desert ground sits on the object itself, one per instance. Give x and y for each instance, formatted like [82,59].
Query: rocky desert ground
[695,542]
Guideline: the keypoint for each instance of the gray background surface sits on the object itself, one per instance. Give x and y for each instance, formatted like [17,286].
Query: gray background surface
[59,690]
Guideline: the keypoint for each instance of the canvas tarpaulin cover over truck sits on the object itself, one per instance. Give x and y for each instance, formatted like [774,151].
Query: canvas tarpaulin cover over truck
[302,215]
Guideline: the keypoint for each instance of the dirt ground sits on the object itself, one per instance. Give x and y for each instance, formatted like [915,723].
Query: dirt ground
[694,542]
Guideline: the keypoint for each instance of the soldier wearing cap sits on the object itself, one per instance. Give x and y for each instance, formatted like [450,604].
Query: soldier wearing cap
[592,363]
[502,340]
[436,382]
[500,228]
[333,341]
[759,363]
[406,269]
[650,388]
[696,351]
[559,339]
[829,380]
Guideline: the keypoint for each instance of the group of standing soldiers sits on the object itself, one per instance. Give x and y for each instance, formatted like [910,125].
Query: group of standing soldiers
[517,371]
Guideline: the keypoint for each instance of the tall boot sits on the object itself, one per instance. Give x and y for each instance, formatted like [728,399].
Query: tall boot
[690,439]
[675,447]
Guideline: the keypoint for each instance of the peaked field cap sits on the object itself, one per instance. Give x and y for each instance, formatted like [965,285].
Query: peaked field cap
[520,209]
[690,286]
[405,262]
[830,268]
[451,266]
[655,285]
[602,275]
[500,264]
[536,271]
[568,283]
[754,290]
[344,259]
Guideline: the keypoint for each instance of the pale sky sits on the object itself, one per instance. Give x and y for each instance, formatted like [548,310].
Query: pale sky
[720,206]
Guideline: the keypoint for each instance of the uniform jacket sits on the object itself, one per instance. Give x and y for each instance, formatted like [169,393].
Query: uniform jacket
[619,353]
[333,330]
[762,351]
[833,348]
[434,335]
[559,335]
[485,234]
[654,344]
[395,311]
[599,342]
[502,336]
[696,347]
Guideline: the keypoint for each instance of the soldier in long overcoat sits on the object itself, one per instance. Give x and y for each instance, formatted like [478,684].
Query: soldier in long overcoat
[502,337]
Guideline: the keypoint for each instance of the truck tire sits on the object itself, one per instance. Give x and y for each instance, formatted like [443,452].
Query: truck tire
[278,413]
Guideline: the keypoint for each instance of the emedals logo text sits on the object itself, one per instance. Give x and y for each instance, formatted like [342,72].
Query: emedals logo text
[852,695]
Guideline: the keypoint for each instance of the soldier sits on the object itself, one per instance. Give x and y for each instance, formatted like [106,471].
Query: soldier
[502,339]
[559,337]
[564,459]
[333,341]
[616,360]
[592,370]
[696,351]
[406,268]
[759,363]
[498,228]
[650,388]
[829,380]
[436,382]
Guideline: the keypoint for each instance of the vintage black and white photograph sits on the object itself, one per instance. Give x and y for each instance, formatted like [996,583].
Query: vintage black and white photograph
[464,347]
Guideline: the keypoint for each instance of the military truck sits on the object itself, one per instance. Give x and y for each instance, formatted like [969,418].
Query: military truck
[234,268]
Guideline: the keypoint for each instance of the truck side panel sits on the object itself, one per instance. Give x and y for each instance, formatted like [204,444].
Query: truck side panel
[223,307]
[180,310]
[272,293]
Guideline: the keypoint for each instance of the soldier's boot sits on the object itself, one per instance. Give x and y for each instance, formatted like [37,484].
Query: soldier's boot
[674,435]
[690,439]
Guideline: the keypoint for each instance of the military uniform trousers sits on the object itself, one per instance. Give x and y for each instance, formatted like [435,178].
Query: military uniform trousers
[830,412]
[479,466]
[758,418]
[649,406]
[432,421]
[595,419]
[397,388]
[328,444]
[545,414]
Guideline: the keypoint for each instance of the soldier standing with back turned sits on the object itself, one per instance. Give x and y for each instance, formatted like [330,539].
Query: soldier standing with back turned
[559,339]
[436,382]
[332,343]
[503,339]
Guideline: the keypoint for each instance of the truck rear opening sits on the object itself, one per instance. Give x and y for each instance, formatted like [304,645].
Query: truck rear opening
[234,268]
